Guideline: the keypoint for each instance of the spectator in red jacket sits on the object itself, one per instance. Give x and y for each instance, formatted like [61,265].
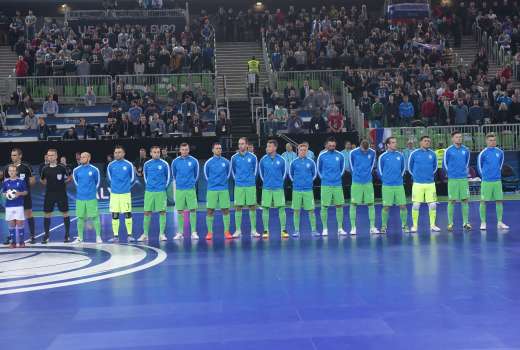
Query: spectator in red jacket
[335,120]
[428,110]
[21,68]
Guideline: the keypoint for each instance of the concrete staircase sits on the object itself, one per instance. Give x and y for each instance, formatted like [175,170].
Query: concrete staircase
[7,64]
[232,60]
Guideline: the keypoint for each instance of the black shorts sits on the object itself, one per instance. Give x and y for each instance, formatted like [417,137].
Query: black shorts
[52,198]
[27,201]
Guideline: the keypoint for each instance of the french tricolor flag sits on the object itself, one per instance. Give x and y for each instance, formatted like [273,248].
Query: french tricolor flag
[378,136]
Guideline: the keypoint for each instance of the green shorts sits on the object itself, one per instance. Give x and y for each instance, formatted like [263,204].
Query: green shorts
[155,201]
[273,198]
[362,193]
[186,199]
[331,195]
[458,189]
[120,203]
[393,195]
[491,191]
[87,208]
[424,193]
[303,199]
[217,199]
[245,196]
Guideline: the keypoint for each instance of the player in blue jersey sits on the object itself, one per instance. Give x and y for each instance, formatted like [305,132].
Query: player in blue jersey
[456,165]
[217,171]
[87,178]
[272,170]
[331,166]
[302,173]
[156,175]
[121,175]
[14,189]
[244,167]
[489,163]
[185,171]
[390,168]
[362,161]
[422,165]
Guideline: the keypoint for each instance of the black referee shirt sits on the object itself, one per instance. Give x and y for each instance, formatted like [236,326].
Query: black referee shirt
[56,177]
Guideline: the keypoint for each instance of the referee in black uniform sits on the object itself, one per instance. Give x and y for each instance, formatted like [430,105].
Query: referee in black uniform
[24,172]
[55,177]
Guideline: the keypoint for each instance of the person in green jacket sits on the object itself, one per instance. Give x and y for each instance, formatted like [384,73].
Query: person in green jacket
[376,114]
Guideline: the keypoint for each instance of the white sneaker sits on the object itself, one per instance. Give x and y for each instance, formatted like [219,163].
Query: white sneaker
[99,240]
[435,228]
[194,235]
[237,234]
[374,230]
[483,226]
[413,229]
[325,232]
[353,231]
[502,226]
[342,232]
[76,241]
[178,236]
[296,234]
[315,233]
[163,237]
[255,234]
[142,238]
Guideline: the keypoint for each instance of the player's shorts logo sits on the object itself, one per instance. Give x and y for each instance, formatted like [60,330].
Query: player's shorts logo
[57,265]
[22,176]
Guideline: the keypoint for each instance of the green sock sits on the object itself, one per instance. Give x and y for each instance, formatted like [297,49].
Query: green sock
[209,222]
[465,212]
[324,217]
[371,215]
[415,216]
[433,216]
[450,213]
[296,219]
[312,219]
[404,216]
[193,221]
[226,218]
[128,225]
[500,211]
[180,222]
[339,217]
[146,224]
[384,217]
[238,219]
[252,218]
[162,223]
[283,218]
[352,214]
[81,227]
[115,227]
[483,212]
[97,225]
[265,218]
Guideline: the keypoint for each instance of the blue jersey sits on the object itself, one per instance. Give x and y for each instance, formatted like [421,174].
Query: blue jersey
[121,176]
[456,162]
[244,168]
[310,154]
[217,171]
[331,166]
[289,157]
[185,171]
[86,178]
[272,170]
[346,155]
[361,164]
[422,165]
[406,153]
[489,163]
[302,173]
[156,175]
[391,167]
[18,185]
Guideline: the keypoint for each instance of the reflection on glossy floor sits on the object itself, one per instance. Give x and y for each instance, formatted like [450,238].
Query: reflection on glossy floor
[398,291]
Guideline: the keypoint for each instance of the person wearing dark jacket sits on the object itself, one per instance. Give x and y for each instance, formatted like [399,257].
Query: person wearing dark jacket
[392,112]
[43,129]
[143,128]
[317,124]
[126,128]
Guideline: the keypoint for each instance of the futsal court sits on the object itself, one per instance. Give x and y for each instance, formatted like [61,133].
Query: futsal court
[398,291]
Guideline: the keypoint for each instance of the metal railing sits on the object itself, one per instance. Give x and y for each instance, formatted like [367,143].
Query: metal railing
[268,65]
[353,113]
[496,52]
[330,80]
[97,14]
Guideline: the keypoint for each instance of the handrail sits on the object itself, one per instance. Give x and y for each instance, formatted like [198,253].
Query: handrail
[252,101]
[268,65]
[288,139]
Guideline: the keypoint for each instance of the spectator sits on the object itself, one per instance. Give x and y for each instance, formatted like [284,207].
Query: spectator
[475,114]
[157,126]
[310,103]
[165,155]
[515,109]
[196,125]
[375,118]
[126,128]
[294,124]
[21,69]
[461,113]
[90,97]
[281,114]
[317,124]
[43,129]
[50,107]
[392,112]
[173,124]
[188,109]
[504,115]
[272,124]
[223,130]
[428,111]
[111,128]
[30,120]
[139,163]
[143,128]
[335,120]
[406,111]
[289,155]
[167,113]
[70,134]
[134,112]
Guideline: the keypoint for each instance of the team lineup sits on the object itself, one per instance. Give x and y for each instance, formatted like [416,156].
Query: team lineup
[244,168]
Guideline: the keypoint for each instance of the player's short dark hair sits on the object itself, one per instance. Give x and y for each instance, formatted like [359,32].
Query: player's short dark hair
[52,150]
[155,146]
[331,139]
[120,147]
[215,143]
[17,150]
[245,139]
[388,139]
[184,144]
[424,137]
[273,142]
[455,132]
[490,135]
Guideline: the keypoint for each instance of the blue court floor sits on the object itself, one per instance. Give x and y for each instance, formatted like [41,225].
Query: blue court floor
[398,291]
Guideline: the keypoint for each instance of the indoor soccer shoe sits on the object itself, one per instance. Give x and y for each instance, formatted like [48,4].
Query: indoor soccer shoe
[450,227]
[255,234]
[374,230]
[342,232]
[296,234]
[66,240]
[45,239]
[237,234]
[435,228]
[325,232]
[76,240]
[483,226]
[228,235]
[413,229]
[21,245]
[143,238]
[33,240]
[194,235]
[178,236]
[353,231]
[7,240]
[285,234]
[502,226]
[383,229]
[99,240]
[13,245]
[163,237]
[209,236]
[265,235]
[467,227]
